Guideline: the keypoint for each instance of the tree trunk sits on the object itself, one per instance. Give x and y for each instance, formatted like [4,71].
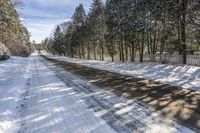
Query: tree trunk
[79,52]
[133,52]
[112,57]
[94,50]
[154,41]
[112,52]
[102,52]
[183,28]
[88,53]
[71,52]
[122,47]
[83,52]
[142,49]
[126,51]
[162,41]
[120,52]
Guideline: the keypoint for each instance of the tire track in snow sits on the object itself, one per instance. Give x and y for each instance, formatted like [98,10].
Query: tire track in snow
[92,102]
[29,124]
[48,110]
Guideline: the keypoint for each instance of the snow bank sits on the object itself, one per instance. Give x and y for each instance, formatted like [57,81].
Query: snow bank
[183,76]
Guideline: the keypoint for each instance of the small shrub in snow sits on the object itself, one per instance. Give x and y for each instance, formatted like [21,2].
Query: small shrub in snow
[4,52]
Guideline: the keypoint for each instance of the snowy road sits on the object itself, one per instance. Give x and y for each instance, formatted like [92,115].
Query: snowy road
[52,100]
[52,107]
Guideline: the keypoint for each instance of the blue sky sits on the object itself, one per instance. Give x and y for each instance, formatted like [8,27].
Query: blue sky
[41,16]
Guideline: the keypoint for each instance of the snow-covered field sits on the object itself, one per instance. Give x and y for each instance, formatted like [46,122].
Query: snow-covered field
[178,75]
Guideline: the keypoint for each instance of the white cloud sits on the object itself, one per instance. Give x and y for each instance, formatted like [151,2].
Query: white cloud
[41,30]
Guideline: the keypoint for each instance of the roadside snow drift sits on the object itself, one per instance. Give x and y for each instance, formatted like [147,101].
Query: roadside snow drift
[183,76]
[13,76]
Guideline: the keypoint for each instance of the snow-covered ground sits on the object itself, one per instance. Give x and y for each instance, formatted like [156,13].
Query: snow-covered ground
[178,75]
[13,76]
[38,97]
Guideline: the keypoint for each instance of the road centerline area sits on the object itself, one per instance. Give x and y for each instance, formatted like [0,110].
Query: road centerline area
[51,106]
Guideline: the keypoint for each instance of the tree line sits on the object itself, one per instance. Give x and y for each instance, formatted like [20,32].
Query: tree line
[13,34]
[126,28]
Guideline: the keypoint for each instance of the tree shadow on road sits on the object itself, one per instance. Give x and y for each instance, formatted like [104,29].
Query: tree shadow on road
[171,101]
